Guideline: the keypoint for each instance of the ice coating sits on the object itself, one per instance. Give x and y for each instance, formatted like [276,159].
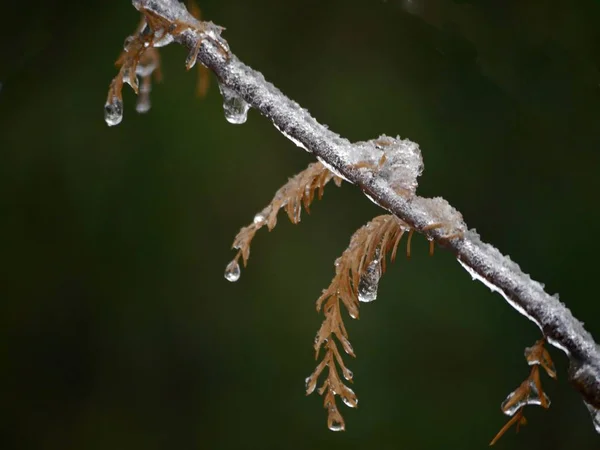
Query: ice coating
[527,296]
[442,215]
[403,162]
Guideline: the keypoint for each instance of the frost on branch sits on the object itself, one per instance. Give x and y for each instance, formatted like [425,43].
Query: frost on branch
[399,161]
[299,191]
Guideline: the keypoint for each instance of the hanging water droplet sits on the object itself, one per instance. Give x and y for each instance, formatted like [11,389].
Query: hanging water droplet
[369,282]
[347,345]
[143,104]
[232,271]
[234,106]
[113,112]
[349,398]
[595,412]
[310,383]
[348,375]
[336,426]
[144,70]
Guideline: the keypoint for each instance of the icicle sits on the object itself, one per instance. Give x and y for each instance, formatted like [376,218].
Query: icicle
[369,281]
[234,106]
[232,271]
[113,112]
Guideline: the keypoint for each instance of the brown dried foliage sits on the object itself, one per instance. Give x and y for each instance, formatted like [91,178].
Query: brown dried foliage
[140,57]
[369,247]
[299,191]
[530,392]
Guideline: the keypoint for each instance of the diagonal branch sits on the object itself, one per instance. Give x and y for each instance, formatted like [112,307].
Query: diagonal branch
[357,163]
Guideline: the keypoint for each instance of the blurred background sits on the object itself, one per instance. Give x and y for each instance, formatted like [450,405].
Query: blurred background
[118,329]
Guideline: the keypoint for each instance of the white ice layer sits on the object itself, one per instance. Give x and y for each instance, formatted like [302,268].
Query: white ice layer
[399,161]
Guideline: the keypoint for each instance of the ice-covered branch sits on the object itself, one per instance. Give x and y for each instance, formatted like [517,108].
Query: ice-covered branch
[388,183]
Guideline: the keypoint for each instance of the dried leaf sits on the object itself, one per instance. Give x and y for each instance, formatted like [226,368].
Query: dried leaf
[297,192]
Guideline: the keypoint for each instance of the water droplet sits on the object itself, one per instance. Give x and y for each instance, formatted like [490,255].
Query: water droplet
[144,70]
[310,383]
[127,43]
[232,271]
[259,219]
[235,107]
[336,426]
[113,112]
[369,281]
[349,398]
[348,375]
[595,412]
[143,104]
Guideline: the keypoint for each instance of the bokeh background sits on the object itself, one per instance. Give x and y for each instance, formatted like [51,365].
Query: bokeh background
[118,330]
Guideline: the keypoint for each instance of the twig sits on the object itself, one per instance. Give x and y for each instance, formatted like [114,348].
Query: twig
[481,260]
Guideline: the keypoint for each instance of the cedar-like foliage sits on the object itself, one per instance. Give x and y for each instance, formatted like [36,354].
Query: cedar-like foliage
[357,273]
[358,270]
[299,191]
[530,392]
[140,58]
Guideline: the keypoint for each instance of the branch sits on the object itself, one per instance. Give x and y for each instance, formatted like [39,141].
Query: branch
[357,163]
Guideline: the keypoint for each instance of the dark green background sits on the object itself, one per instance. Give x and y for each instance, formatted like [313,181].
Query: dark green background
[118,330]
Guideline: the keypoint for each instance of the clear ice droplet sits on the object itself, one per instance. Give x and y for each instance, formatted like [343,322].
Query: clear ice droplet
[369,282]
[336,426]
[259,219]
[232,271]
[234,106]
[113,112]
[143,104]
